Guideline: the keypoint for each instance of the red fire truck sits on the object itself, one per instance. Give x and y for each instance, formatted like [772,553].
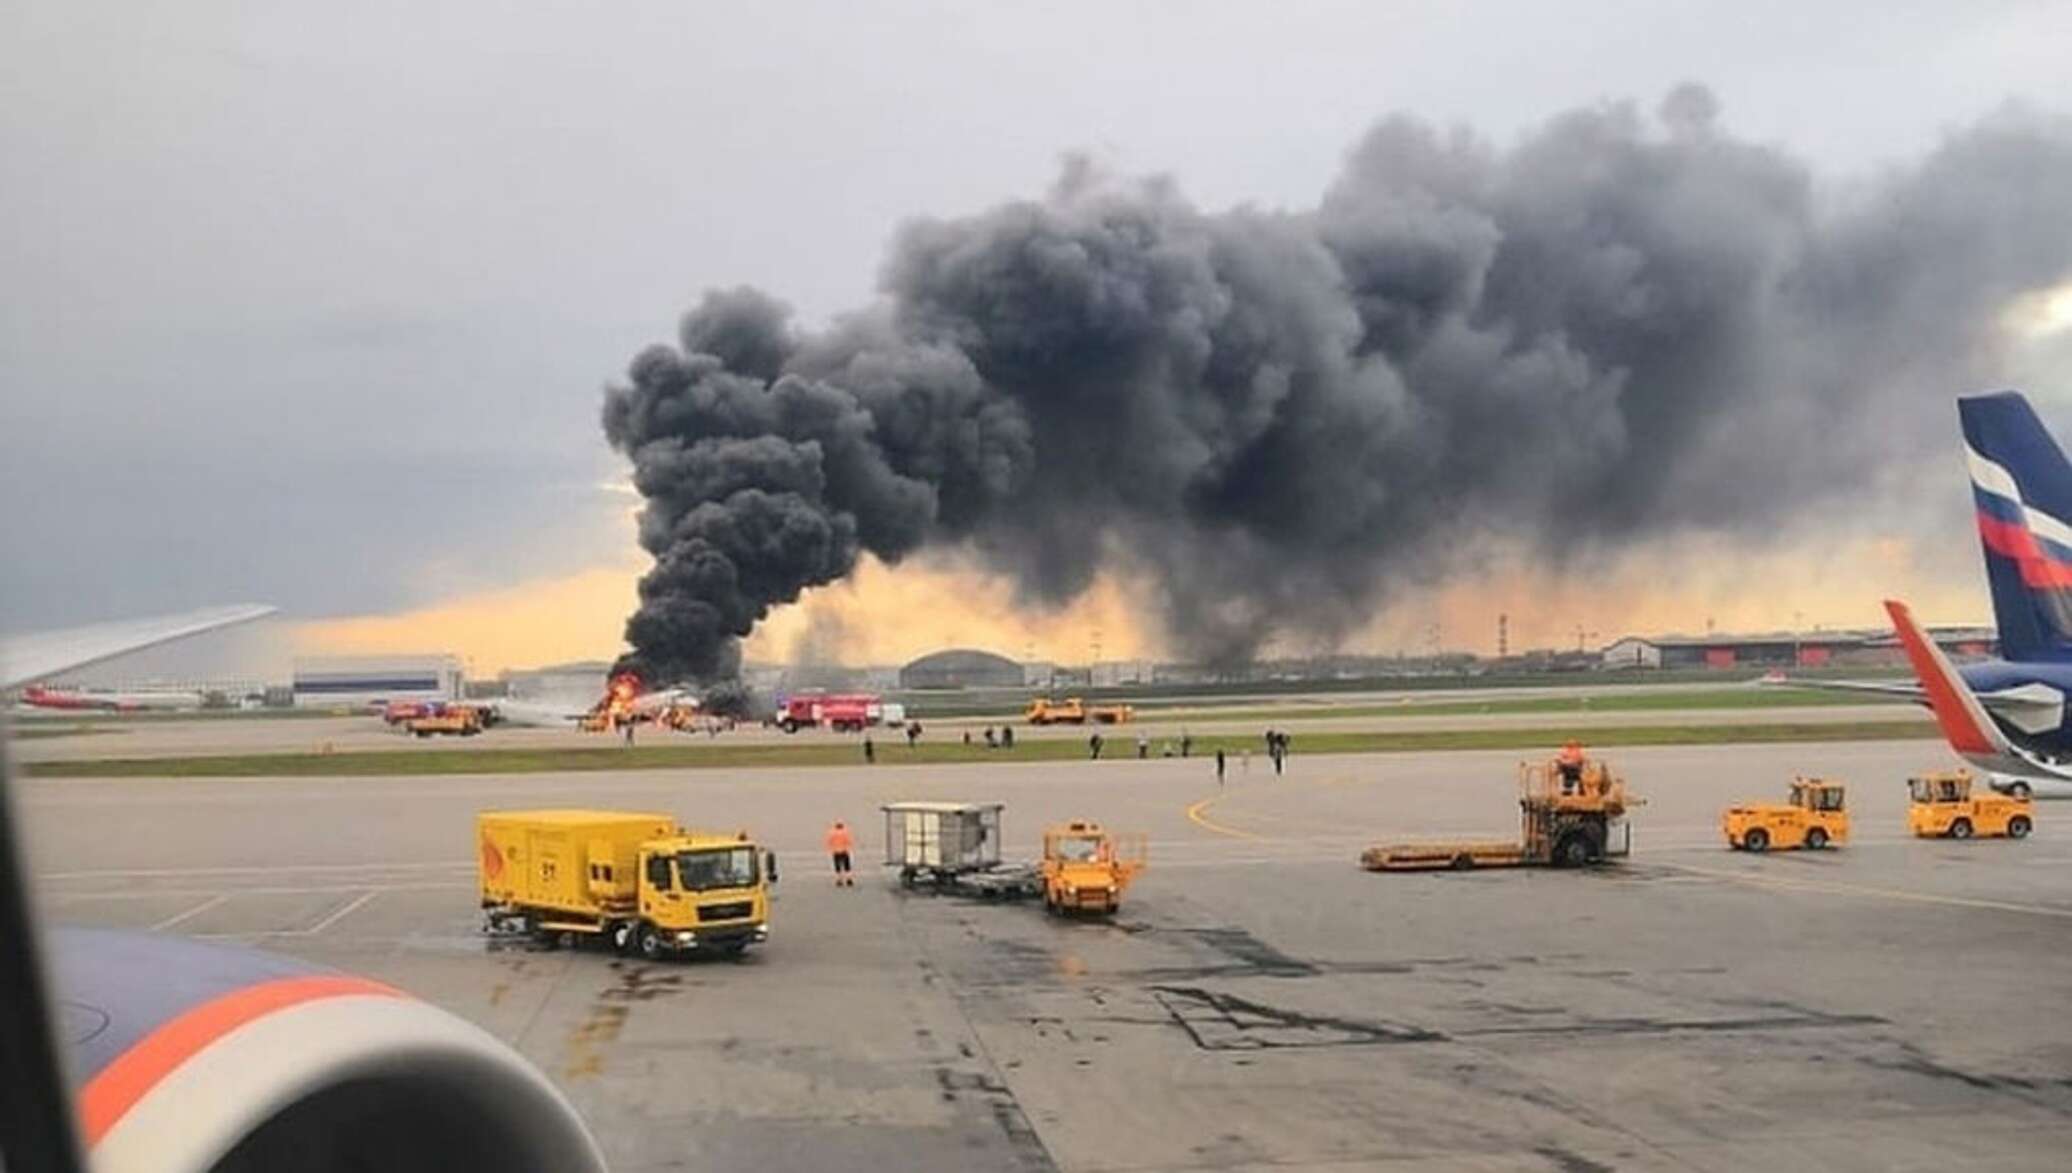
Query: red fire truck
[841,712]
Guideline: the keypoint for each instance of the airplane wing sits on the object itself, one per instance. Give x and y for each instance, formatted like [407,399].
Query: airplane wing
[2028,707]
[1911,692]
[28,658]
[189,1057]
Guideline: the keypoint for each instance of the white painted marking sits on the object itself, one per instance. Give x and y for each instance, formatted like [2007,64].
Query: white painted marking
[264,870]
[271,890]
[341,914]
[190,914]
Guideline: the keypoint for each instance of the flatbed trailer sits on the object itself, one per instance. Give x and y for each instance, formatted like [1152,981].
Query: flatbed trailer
[1007,881]
[1440,856]
[1565,821]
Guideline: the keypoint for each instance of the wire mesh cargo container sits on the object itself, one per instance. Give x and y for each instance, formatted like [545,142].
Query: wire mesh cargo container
[937,841]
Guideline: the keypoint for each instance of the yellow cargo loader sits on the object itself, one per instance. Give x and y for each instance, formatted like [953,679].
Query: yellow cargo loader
[1086,868]
[1565,820]
[1944,807]
[1044,711]
[635,880]
[1074,711]
[1814,815]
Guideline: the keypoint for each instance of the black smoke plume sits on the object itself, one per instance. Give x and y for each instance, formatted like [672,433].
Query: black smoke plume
[1620,327]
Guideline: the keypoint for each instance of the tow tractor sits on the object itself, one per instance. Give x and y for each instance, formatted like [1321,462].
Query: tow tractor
[1086,868]
[1814,815]
[1943,807]
[1567,819]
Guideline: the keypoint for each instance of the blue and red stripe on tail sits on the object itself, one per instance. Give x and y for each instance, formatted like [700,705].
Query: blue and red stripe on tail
[2021,486]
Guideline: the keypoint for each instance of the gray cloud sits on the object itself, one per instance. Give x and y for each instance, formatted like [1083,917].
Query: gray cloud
[1620,327]
[272,277]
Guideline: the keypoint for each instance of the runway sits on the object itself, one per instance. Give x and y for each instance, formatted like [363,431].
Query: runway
[1260,1002]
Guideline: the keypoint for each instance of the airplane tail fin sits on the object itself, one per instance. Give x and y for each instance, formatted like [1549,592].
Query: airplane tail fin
[1965,724]
[2021,485]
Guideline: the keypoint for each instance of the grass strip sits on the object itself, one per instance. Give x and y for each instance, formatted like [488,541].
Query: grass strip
[40,732]
[892,754]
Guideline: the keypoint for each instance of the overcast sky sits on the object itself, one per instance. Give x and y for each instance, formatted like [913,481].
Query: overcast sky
[311,304]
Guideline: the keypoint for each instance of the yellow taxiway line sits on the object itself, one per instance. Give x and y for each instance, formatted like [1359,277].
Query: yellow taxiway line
[1195,816]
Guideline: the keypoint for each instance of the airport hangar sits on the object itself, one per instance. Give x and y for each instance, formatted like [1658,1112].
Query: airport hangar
[961,668]
[354,681]
[1788,649]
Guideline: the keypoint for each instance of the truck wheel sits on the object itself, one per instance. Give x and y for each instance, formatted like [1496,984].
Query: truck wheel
[621,935]
[1573,851]
[1755,839]
[1961,829]
[1463,862]
[650,943]
[1816,838]
[2018,790]
[2018,827]
[788,725]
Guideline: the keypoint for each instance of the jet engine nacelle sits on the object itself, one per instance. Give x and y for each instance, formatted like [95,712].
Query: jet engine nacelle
[197,1058]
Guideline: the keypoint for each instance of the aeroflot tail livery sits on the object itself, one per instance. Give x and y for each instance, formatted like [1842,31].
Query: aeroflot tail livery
[2008,716]
[2021,486]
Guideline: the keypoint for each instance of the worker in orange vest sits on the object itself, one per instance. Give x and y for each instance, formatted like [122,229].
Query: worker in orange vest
[839,844]
[1570,762]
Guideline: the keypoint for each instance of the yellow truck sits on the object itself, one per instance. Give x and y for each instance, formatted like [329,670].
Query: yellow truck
[1813,816]
[457,720]
[1086,867]
[1074,711]
[1044,711]
[635,880]
[1943,807]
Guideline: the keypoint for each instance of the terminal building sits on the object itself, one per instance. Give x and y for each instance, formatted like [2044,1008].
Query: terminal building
[1813,649]
[325,682]
[961,668]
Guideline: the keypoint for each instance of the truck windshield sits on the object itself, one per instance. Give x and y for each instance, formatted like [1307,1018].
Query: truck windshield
[725,867]
[1077,849]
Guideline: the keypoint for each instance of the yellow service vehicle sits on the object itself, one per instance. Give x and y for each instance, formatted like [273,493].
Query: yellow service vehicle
[635,880]
[1074,711]
[1044,711]
[1086,868]
[458,720]
[1943,807]
[1812,817]
[1567,818]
